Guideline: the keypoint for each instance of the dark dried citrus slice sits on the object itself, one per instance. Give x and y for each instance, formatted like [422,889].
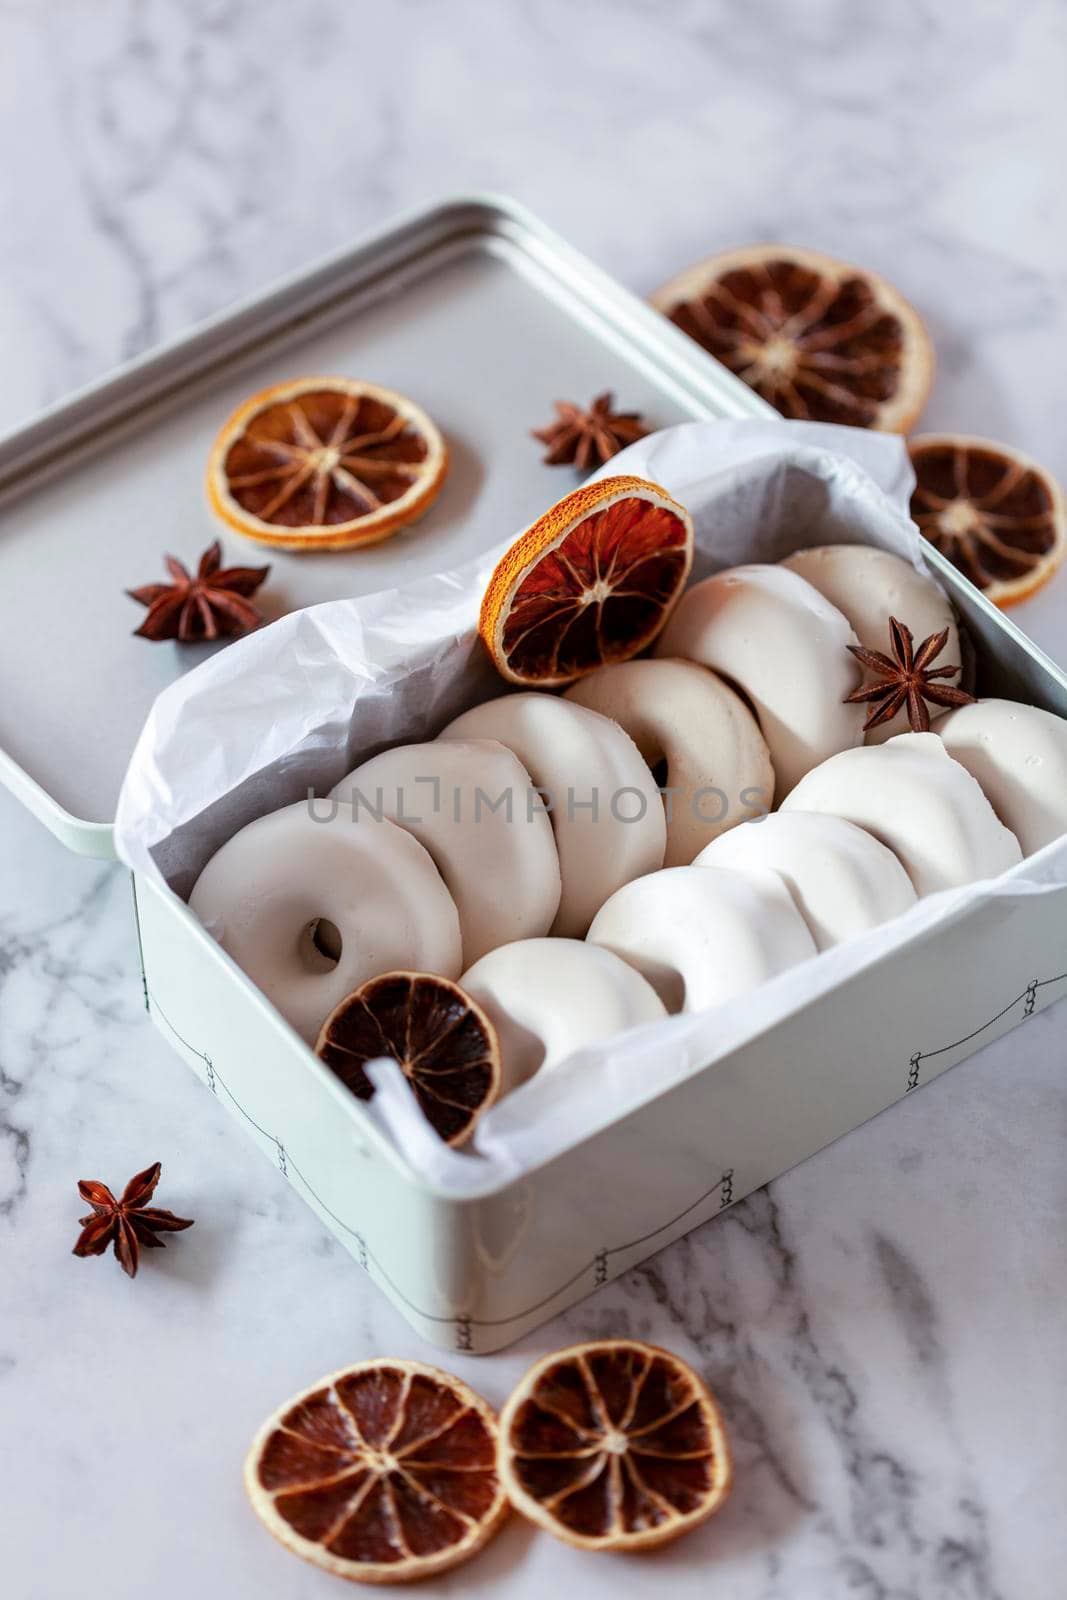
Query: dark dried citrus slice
[442,1040]
[819,339]
[592,581]
[992,511]
[614,1445]
[383,1473]
[325,464]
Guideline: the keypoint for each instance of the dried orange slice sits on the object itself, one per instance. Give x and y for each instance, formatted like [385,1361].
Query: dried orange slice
[383,1473]
[325,464]
[614,1445]
[442,1040]
[591,581]
[992,511]
[819,339]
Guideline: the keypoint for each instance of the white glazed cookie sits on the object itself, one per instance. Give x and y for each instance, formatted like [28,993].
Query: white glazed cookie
[770,632]
[703,935]
[913,797]
[606,813]
[549,997]
[842,879]
[1019,756]
[718,767]
[868,586]
[264,892]
[465,801]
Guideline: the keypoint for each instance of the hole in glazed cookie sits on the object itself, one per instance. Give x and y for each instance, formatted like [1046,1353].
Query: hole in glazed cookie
[742,695]
[321,945]
[667,982]
[671,988]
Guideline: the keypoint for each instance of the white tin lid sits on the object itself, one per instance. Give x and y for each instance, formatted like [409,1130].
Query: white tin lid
[472,308]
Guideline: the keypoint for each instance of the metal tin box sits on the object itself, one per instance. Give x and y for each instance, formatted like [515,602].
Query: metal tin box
[476,1272]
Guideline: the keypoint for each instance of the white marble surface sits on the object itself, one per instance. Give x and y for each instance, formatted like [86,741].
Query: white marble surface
[885,1324]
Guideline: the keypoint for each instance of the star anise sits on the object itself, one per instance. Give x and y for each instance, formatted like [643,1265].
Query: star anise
[588,437]
[907,679]
[127,1223]
[212,605]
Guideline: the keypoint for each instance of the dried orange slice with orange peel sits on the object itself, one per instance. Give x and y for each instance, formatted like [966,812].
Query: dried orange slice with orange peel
[614,1445]
[442,1040]
[592,581]
[325,464]
[991,510]
[383,1473]
[819,339]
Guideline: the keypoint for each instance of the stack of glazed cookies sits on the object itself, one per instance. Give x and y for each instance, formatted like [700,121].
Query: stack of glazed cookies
[665,834]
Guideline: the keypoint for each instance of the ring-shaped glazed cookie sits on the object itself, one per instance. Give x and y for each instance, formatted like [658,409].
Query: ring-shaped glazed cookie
[549,997]
[681,716]
[772,634]
[465,801]
[843,880]
[704,935]
[605,809]
[926,807]
[313,900]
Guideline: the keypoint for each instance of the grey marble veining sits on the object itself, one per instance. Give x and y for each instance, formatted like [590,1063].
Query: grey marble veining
[884,1325]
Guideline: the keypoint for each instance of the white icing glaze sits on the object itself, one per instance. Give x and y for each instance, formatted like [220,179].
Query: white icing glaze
[703,935]
[465,801]
[913,797]
[681,714]
[842,879]
[263,892]
[868,586]
[770,632]
[1019,756]
[549,997]
[596,780]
